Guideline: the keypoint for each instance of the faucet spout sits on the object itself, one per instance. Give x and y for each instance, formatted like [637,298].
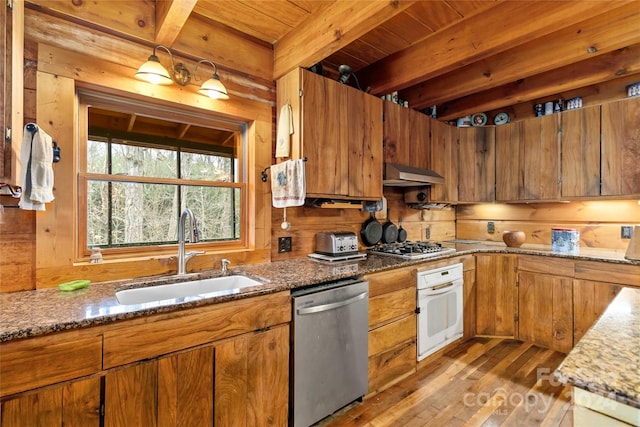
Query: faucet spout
[193,238]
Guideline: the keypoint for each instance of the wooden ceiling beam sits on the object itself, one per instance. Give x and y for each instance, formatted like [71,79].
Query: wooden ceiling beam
[330,30]
[592,71]
[608,32]
[487,33]
[171,15]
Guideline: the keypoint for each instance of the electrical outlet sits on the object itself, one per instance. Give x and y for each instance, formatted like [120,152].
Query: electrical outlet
[284,244]
[427,233]
[491,227]
[626,231]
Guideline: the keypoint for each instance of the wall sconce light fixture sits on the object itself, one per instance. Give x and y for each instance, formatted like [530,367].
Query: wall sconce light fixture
[154,72]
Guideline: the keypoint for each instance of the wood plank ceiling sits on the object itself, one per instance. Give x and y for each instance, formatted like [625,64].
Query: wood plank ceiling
[463,56]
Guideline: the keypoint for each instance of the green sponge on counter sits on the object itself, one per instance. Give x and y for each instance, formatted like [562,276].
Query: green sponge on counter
[74,285]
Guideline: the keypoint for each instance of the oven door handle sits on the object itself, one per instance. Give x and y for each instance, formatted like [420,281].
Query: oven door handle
[439,289]
[331,306]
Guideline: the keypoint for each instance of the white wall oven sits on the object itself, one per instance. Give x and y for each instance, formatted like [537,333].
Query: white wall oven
[440,320]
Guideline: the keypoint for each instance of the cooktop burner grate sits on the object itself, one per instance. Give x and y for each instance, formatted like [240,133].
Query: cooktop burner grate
[411,250]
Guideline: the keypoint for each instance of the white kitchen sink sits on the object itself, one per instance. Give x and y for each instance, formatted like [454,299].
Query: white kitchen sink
[186,291]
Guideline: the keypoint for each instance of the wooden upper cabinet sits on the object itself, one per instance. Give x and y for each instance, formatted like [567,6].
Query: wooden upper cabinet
[542,158]
[580,141]
[363,121]
[620,148]
[406,136]
[477,171]
[528,160]
[509,161]
[339,130]
[444,161]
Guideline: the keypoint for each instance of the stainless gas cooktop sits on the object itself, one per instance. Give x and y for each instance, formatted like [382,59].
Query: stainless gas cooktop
[411,250]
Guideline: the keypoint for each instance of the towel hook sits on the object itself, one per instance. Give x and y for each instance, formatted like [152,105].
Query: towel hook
[264,171]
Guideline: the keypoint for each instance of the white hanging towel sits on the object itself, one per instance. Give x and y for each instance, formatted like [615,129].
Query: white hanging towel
[284,132]
[288,185]
[36,156]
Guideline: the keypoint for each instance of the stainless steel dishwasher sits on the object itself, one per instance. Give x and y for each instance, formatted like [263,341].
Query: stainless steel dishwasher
[329,358]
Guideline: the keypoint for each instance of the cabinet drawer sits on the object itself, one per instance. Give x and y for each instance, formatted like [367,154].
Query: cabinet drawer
[391,366]
[161,334]
[546,265]
[390,281]
[36,362]
[384,308]
[392,334]
[620,274]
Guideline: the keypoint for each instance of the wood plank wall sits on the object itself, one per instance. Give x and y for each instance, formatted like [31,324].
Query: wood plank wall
[599,222]
[306,222]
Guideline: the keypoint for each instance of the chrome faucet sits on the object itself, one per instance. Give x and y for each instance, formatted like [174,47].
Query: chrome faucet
[193,238]
[225,265]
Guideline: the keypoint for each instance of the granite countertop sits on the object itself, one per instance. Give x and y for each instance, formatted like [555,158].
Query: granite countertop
[598,366]
[33,313]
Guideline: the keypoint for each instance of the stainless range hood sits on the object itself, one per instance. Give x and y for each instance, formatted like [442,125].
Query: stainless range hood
[396,175]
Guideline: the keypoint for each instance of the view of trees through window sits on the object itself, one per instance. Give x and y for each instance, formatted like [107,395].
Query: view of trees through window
[137,186]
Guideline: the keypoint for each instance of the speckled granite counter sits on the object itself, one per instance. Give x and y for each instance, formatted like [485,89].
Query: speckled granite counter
[606,360]
[33,313]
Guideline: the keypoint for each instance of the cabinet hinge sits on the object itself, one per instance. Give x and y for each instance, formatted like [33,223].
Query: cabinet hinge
[102,409]
[515,317]
[7,135]
[417,310]
[9,4]
[300,93]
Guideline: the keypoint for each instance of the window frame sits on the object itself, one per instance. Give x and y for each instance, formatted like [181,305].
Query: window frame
[173,112]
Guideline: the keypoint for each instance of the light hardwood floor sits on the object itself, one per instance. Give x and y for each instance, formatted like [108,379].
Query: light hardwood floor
[482,382]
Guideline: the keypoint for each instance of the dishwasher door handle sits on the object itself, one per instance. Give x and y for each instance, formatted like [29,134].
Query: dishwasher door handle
[331,306]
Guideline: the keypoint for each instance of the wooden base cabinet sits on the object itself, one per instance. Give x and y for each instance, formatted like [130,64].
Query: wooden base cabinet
[545,302]
[545,310]
[223,365]
[496,294]
[74,404]
[392,327]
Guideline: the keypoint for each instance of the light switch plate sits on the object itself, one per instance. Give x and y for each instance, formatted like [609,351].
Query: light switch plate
[626,231]
[491,227]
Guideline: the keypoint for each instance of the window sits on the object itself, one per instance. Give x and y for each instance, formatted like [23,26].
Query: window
[142,166]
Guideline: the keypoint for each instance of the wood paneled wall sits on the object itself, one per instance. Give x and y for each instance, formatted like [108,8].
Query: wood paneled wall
[306,222]
[599,222]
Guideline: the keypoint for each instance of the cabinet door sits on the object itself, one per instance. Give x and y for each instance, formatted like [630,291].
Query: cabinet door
[131,396]
[620,153]
[406,136]
[444,160]
[542,158]
[185,388]
[324,140]
[496,295]
[590,299]
[363,122]
[510,161]
[545,315]
[75,404]
[581,152]
[477,174]
[252,380]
